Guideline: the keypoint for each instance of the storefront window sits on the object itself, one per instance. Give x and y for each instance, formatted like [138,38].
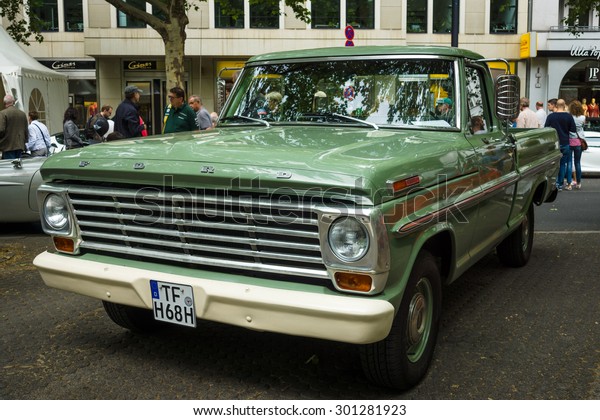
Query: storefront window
[442,16]
[325,14]
[360,13]
[125,21]
[582,83]
[503,17]
[265,16]
[225,18]
[84,98]
[48,14]
[73,15]
[416,18]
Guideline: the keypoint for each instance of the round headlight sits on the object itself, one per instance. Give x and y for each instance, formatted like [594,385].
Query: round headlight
[348,239]
[56,213]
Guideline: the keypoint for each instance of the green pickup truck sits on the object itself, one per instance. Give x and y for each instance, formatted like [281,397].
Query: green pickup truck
[340,191]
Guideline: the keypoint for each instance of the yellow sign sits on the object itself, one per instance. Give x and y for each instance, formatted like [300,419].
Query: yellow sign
[528,45]
[500,65]
[227,74]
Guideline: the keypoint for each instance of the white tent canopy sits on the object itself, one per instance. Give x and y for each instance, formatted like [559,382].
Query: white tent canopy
[34,86]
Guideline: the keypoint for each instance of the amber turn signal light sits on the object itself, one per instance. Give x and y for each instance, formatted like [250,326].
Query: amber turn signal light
[64,244]
[354,281]
[405,183]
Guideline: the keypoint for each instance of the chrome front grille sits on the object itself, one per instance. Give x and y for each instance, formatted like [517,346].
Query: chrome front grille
[213,229]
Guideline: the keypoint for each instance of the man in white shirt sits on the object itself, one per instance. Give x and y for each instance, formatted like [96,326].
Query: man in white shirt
[38,144]
[527,118]
[540,113]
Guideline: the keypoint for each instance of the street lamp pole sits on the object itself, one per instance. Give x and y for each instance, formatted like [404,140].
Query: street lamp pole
[455,14]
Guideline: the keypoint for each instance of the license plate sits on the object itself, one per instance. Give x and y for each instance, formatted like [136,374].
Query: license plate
[173,303]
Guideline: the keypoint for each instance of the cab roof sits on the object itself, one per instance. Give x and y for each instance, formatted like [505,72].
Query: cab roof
[364,51]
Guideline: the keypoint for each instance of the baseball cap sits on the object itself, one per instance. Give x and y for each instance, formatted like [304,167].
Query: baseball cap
[444,101]
[101,126]
[132,89]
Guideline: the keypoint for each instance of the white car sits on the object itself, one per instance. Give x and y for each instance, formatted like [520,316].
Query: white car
[590,159]
[19,181]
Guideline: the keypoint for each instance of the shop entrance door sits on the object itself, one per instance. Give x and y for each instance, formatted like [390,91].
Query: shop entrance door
[151,103]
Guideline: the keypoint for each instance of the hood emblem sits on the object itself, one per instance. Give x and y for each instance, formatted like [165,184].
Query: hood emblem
[138,165]
[207,170]
[284,174]
[83,163]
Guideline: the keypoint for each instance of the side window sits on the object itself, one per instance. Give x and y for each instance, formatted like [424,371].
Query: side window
[477,102]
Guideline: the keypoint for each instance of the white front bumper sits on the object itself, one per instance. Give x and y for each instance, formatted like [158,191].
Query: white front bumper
[349,319]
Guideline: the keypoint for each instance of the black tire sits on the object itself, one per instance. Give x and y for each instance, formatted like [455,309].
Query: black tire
[401,360]
[134,319]
[515,250]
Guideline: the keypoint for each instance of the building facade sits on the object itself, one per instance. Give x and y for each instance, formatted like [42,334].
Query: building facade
[102,50]
[564,65]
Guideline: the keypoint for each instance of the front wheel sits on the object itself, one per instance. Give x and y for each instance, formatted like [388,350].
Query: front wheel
[401,360]
[134,319]
[515,250]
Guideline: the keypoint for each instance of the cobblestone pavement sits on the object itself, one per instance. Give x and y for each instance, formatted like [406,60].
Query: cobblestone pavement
[530,333]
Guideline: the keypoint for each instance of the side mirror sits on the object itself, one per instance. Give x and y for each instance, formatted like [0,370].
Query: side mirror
[507,88]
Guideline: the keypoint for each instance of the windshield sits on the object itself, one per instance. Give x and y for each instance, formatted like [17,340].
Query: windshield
[369,92]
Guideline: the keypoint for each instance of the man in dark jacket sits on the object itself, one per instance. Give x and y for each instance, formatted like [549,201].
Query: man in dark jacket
[127,118]
[14,129]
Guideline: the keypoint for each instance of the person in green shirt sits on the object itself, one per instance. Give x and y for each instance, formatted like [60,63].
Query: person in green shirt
[179,116]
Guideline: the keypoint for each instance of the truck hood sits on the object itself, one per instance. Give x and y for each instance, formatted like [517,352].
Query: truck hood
[298,157]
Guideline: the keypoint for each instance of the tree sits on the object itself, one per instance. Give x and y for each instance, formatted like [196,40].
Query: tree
[19,28]
[169,19]
[577,10]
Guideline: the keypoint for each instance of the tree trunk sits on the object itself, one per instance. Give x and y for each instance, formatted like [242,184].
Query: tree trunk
[174,37]
[174,55]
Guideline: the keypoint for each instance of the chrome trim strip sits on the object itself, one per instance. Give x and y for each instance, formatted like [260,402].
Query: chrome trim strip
[212,248]
[171,256]
[429,219]
[222,226]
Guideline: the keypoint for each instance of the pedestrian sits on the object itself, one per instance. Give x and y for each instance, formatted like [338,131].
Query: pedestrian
[527,118]
[551,105]
[14,130]
[179,116]
[562,121]
[127,119]
[576,109]
[70,129]
[97,125]
[203,121]
[39,136]
[214,119]
[540,113]
[444,110]
[477,125]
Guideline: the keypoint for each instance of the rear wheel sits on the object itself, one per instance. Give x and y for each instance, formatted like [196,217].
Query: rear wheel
[515,250]
[134,319]
[401,360]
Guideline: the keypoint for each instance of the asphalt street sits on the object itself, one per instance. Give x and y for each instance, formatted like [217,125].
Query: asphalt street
[529,333]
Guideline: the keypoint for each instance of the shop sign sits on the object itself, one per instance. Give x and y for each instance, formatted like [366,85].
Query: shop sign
[592,74]
[139,65]
[579,51]
[69,64]
[528,48]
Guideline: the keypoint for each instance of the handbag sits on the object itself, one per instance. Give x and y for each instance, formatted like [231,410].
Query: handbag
[584,145]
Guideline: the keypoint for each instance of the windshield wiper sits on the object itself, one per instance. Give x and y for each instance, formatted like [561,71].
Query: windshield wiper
[358,120]
[243,117]
[322,116]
